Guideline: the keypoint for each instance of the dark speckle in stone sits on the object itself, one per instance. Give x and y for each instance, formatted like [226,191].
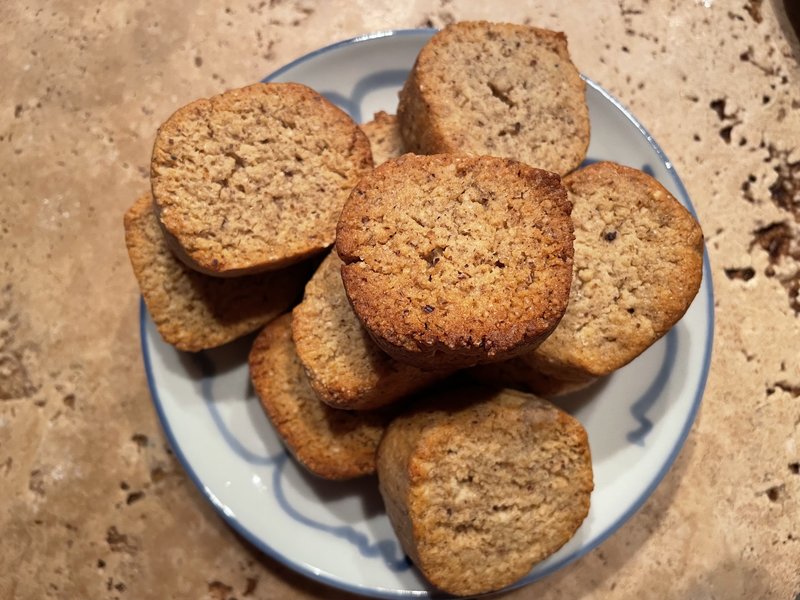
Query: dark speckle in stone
[119,542]
[157,474]
[718,106]
[775,238]
[774,493]
[252,582]
[745,273]
[790,388]
[753,8]
[134,497]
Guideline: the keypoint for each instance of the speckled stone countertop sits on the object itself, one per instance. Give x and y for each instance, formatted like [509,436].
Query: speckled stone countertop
[93,503]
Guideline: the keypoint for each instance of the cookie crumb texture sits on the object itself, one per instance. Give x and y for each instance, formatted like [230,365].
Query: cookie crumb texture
[384,137]
[193,311]
[480,485]
[497,89]
[638,266]
[344,365]
[253,179]
[453,261]
[331,443]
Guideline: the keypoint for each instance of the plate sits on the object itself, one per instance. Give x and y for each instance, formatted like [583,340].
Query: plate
[637,419]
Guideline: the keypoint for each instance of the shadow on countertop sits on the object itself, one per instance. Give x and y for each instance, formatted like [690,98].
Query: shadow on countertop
[788,13]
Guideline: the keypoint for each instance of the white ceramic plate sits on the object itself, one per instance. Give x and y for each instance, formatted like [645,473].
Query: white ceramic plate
[337,532]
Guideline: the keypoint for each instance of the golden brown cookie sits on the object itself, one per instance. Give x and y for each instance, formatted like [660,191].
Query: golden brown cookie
[497,89]
[638,266]
[254,179]
[344,365]
[193,311]
[331,443]
[384,137]
[451,261]
[481,484]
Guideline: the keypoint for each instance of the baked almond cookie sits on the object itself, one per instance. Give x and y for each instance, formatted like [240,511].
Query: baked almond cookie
[254,179]
[333,444]
[193,311]
[384,137]
[452,261]
[638,266]
[344,366]
[481,484]
[497,89]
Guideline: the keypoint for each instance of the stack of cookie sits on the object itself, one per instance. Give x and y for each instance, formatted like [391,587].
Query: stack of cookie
[473,246]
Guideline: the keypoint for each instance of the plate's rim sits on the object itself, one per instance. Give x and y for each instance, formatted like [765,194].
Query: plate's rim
[329,579]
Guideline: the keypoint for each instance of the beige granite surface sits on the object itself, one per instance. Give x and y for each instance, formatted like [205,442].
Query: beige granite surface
[93,503]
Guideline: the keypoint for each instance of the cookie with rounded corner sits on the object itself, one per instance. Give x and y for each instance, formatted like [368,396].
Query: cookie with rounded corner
[497,89]
[253,179]
[452,261]
[480,484]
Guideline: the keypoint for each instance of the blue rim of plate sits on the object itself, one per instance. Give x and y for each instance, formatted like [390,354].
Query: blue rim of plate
[317,575]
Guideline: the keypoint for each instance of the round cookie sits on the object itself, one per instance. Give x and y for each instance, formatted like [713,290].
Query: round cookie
[638,266]
[452,261]
[497,89]
[253,179]
[481,484]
